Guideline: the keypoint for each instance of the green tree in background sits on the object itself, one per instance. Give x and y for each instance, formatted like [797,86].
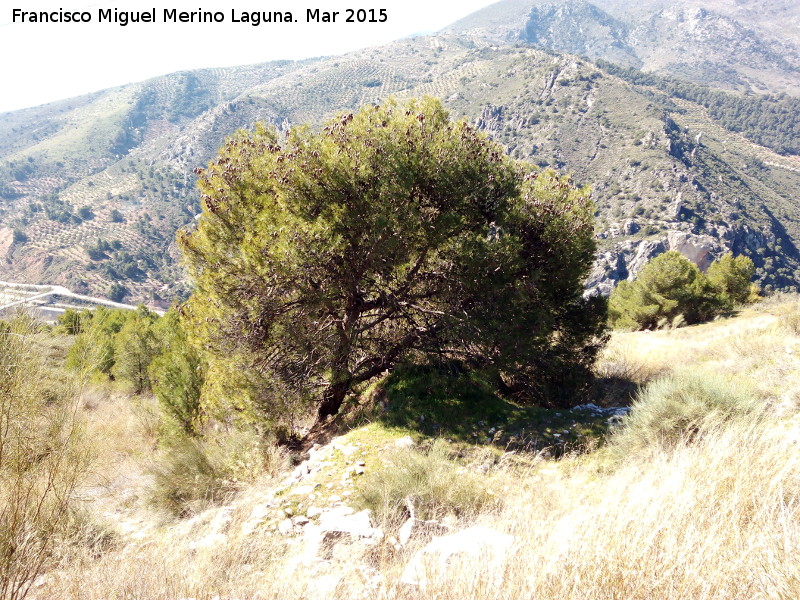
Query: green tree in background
[135,346]
[177,374]
[73,322]
[322,260]
[93,350]
[671,286]
[731,278]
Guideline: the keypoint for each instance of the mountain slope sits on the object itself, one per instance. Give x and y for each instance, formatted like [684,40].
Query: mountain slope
[94,188]
[733,44]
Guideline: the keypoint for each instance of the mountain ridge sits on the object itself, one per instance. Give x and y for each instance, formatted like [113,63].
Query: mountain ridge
[94,188]
[728,44]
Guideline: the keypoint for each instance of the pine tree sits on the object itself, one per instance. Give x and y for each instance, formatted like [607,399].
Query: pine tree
[322,260]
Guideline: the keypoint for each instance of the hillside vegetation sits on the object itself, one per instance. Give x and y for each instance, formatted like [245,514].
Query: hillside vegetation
[704,468]
[672,165]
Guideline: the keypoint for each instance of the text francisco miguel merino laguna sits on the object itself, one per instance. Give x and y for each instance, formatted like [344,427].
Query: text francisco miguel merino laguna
[171,15]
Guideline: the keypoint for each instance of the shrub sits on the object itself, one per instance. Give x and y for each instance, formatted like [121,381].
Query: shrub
[73,322]
[790,322]
[194,474]
[93,350]
[436,484]
[185,481]
[444,398]
[683,405]
[117,292]
[42,459]
[731,277]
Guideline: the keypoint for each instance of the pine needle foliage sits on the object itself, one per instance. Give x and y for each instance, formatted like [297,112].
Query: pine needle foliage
[324,259]
[672,289]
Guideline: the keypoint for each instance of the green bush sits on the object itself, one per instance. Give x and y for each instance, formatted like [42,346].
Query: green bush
[730,277]
[93,350]
[73,322]
[119,343]
[445,398]
[683,405]
[671,287]
[437,485]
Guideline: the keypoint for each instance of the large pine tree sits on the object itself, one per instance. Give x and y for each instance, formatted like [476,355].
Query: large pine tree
[323,259]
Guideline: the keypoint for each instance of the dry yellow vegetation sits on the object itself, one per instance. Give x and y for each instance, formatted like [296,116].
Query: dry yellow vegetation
[712,514]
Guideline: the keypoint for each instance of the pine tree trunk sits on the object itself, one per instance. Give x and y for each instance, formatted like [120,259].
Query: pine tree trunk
[332,399]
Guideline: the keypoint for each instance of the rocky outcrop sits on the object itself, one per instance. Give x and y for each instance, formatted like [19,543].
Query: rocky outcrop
[627,258]
[700,249]
[443,556]
[620,263]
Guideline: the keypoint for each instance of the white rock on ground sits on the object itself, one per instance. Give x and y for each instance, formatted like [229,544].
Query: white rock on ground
[339,525]
[404,442]
[441,557]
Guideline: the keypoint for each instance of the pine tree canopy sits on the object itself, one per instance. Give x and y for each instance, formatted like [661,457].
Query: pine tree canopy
[323,259]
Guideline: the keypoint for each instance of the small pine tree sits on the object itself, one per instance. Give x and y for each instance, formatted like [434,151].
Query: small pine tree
[671,286]
[135,346]
[177,375]
[93,350]
[731,277]
[73,322]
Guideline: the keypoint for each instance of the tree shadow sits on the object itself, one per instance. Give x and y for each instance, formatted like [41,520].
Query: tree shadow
[449,401]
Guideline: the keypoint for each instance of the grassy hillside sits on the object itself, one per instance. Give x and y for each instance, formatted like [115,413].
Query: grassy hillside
[679,499]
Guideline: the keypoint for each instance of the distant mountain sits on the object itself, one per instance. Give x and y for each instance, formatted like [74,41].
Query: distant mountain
[735,44]
[93,189]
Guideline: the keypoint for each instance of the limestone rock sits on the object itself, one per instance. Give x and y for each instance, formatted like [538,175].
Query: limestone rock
[286,527]
[645,251]
[697,248]
[404,442]
[340,525]
[443,555]
[341,520]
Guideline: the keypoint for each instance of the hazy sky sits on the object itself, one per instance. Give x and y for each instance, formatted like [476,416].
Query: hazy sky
[42,62]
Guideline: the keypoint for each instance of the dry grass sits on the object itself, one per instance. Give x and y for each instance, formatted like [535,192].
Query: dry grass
[43,457]
[714,513]
[717,519]
[169,568]
[437,486]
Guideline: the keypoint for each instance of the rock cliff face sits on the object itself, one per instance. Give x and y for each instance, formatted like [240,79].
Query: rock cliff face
[735,44]
[626,259]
